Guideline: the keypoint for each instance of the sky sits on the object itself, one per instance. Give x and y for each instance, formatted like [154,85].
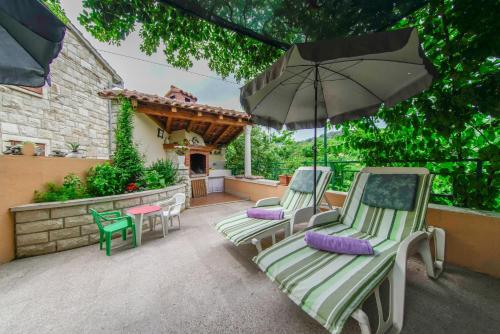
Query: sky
[157,78]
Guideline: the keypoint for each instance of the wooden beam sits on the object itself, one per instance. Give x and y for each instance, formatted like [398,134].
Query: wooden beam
[223,134]
[186,115]
[209,129]
[190,126]
[169,124]
[206,148]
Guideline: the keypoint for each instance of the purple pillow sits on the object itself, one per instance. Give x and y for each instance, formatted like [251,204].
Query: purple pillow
[334,244]
[276,214]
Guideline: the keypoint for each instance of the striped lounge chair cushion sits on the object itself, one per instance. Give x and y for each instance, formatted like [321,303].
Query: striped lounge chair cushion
[240,229]
[330,286]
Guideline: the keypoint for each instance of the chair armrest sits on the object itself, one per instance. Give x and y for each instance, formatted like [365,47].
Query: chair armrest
[268,201]
[114,215]
[166,203]
[324,217]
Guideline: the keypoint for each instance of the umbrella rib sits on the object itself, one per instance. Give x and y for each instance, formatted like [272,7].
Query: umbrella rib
[296,90]
[272,90]
[356,82]
[363,59]
[323,93]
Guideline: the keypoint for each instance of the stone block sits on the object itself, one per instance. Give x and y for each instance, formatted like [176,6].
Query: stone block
[32,238]
[162,195]
[94,238]
[127,203]
[65,233]
[78,220]
[150,199]
[39,226]
[69,211]
[40,249]
[88,229]
[72,243]
[33,215]
[100,207]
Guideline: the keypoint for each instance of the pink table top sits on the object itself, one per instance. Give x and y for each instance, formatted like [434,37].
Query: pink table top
[145,209]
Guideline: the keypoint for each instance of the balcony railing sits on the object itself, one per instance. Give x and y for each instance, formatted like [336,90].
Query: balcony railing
[467,182]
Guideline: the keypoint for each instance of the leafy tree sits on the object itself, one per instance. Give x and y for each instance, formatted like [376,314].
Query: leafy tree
[185,38]
[456,119]
[126,157]
[55,7]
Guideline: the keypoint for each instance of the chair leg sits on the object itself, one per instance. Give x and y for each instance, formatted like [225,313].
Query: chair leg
[101,237]
[164,226]
[179,219]
[363,321]
[134,243]
[108,244]
[124,234]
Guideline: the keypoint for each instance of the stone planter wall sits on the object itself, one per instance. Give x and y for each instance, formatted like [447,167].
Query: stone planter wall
[57,226]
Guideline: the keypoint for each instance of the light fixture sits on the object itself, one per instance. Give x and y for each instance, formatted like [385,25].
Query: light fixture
[160,133]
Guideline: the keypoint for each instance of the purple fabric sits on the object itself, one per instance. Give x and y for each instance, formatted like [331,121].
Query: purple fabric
[343,245]
[259,213]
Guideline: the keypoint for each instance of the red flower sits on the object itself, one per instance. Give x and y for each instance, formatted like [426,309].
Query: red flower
[132,187]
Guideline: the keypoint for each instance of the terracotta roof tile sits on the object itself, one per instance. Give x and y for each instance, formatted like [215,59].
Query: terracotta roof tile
[155,99]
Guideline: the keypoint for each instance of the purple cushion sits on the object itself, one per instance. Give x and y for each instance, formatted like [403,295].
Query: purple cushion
[343,245]
[259,213]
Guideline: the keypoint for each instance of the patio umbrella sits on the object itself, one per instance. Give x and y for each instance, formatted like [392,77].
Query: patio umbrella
[337,80]
[30,38]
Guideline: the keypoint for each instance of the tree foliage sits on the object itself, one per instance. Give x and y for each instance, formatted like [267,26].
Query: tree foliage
[183,38]
[55,7]
[457,118]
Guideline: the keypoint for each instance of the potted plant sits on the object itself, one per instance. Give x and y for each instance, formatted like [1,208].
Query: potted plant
[181,154]
[285,179]
[74,151]
[28,148]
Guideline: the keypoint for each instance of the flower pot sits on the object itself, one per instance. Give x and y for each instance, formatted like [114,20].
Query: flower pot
[74,155]
[28,149]
[284,179]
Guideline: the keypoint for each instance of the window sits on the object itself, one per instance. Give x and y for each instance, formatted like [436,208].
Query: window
[172,97]
[187,100]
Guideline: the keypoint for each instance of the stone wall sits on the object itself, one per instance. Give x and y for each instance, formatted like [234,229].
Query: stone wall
[54,227]
[68,111]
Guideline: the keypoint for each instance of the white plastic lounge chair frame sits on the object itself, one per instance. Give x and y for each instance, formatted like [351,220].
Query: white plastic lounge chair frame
[416,242]
[299,215]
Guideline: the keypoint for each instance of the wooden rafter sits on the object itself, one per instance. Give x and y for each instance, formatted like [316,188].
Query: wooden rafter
[186,115]
[223,134]
[169,124]
[190,125]
[210,128]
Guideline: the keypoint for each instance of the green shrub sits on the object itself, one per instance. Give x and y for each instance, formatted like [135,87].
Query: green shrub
[72,188]
[153,180]
[166,170]
[126,158]
[104,180]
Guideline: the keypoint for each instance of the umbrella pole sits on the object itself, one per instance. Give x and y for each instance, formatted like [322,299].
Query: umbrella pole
[315,149]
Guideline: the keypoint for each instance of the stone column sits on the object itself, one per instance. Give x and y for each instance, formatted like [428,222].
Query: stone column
[183,173]
[248,150]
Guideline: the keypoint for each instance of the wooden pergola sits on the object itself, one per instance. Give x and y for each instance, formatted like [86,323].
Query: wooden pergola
[217,126]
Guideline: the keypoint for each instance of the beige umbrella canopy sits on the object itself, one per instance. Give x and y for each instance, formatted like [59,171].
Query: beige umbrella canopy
[338,80]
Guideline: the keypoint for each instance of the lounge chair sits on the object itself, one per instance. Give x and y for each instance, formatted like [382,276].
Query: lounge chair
[297,206]
[332,287]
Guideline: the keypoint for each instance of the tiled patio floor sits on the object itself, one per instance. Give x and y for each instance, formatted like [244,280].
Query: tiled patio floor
[194,281]
[214,198]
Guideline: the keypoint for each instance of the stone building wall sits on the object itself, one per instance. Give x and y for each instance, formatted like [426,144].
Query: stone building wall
[67,111]
[58,226]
